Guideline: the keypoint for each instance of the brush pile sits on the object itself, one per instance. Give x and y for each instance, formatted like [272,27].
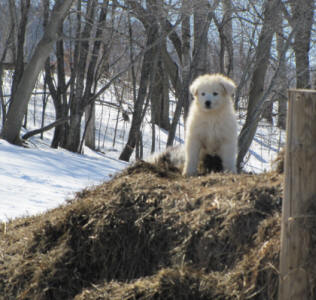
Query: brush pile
[150,233]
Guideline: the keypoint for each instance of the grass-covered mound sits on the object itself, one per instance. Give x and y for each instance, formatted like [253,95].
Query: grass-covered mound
[150,234]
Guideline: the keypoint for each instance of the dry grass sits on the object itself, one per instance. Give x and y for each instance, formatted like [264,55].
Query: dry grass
[150,234]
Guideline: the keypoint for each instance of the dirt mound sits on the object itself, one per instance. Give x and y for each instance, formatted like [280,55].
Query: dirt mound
[150,234]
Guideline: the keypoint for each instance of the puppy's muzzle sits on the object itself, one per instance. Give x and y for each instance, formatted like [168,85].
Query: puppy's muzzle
[208,104]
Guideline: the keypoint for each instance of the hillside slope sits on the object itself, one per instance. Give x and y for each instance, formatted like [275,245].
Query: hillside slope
[149,233]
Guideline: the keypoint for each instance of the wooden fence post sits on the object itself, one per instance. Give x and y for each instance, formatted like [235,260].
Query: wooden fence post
[299,203]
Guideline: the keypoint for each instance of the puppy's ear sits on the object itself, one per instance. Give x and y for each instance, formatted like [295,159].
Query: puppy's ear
[228,85]
[194,88]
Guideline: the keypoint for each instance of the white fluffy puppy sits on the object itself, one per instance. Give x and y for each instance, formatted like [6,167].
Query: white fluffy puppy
[211,126]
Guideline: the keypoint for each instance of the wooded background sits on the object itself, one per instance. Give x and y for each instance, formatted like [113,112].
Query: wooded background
[150,51]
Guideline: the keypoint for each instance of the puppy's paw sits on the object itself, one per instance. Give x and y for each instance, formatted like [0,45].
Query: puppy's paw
[187,172]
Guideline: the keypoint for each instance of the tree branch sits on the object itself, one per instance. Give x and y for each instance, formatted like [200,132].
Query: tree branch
[45,128]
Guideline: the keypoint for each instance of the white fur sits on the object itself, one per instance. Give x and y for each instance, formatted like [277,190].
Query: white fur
[211,126]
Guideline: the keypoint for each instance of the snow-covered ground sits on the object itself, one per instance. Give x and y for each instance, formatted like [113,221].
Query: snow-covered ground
[38,178]
[34,180]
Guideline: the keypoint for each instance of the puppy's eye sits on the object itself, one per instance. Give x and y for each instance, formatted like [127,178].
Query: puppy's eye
[215,94]
[203,94]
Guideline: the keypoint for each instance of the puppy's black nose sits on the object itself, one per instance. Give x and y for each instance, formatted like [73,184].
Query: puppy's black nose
[208,104]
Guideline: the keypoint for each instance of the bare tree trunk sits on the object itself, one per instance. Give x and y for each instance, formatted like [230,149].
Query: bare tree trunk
[228,31]
[282,110]
[19,59]
[12,127]
[153,137]
[302,21]
[44,102]
[268,111]
[134,134]
[186,57]
[77,104]
[200,64]
[90,126]
[91,78]
[58,93]
[3,57]
[115,128]
[282,85]
[3,111]
[225,30]
[165,103]
[246,61]
[13,17]
[85,72]
[180,91]
[183,94]
[60,101]
[257,81]
[202,16]
[160,98]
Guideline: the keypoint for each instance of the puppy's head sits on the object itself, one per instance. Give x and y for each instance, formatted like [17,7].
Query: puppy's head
[212,91]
